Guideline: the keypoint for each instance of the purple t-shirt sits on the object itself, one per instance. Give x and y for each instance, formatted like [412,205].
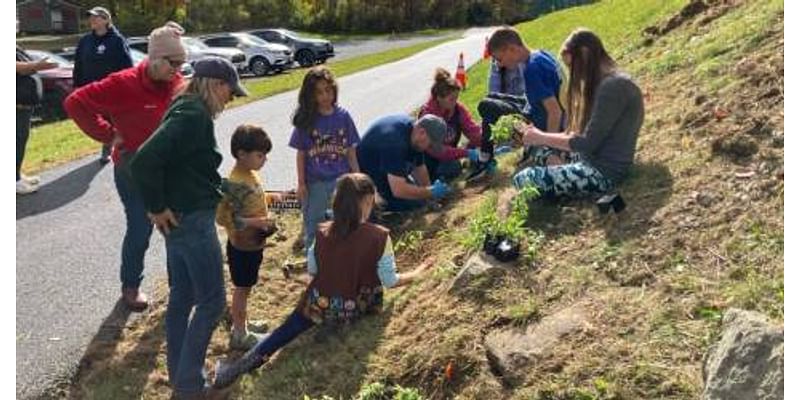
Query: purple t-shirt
[326,145]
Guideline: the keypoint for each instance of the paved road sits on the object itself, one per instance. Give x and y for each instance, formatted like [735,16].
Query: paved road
[353,48]
[68,234]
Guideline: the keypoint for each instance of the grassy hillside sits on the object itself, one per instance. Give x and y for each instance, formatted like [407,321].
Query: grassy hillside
[703,232]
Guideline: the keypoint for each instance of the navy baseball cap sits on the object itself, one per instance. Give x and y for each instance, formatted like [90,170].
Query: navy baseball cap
[219,68]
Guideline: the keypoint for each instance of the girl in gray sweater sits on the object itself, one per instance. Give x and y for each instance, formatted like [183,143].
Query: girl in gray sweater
[605,112]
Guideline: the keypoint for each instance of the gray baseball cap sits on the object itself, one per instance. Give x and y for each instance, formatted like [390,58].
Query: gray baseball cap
[436,129]
[220,68]
[100,12]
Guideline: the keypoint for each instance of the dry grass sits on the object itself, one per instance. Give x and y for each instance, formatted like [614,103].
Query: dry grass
[703,232]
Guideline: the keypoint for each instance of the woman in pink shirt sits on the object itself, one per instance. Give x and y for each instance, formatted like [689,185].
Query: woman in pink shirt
[123,110]
[445,164]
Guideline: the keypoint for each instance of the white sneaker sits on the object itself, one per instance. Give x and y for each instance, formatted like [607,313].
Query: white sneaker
[33,180]
[24,187]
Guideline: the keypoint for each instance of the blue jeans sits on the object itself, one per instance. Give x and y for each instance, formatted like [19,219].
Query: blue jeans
[292,327]
[137,232]
[194,263]
[320,194]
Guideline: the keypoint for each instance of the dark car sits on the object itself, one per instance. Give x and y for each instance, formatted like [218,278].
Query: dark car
[307,51]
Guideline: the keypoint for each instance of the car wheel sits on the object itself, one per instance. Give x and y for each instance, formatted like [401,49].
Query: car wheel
[305,58]
[259,66]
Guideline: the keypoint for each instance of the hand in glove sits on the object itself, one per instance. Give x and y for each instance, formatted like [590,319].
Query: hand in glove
[439,189]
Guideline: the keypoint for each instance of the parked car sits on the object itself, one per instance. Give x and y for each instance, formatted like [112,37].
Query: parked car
[262,57]
[56,85]
[196,50]
[307,51]
[39,54]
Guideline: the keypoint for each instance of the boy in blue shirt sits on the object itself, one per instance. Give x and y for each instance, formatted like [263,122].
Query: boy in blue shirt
[542,79]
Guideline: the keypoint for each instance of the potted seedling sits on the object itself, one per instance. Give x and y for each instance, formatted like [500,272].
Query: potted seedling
[509,129]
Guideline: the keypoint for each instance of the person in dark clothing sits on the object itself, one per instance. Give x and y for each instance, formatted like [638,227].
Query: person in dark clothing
[99,53]
[29,94]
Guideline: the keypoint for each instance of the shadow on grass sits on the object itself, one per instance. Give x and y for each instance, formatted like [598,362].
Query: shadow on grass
[60,192]
[127,377]
[319,362]
[647,189]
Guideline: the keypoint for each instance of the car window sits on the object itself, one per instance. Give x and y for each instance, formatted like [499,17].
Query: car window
[270,36]
[222,42]
[251,40]
[141,46]
[192,42]
[38,55]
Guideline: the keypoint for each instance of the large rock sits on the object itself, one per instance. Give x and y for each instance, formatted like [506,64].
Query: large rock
[512,352]
[747,362]
[479,265]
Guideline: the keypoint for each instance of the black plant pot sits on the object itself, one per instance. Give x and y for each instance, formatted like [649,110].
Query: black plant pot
[490,243]
[507,250]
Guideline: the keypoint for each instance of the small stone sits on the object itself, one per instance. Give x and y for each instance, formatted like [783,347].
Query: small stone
[512,351]
[477,265]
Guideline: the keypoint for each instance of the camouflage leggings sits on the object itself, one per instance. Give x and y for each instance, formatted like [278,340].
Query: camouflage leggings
[575,179]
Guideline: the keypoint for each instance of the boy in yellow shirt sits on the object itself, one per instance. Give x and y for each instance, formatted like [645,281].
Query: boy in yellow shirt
[243,214]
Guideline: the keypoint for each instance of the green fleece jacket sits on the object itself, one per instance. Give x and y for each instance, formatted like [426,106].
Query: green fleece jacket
[176,167]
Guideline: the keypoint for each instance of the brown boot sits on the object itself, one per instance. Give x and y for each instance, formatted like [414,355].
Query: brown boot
[134,299]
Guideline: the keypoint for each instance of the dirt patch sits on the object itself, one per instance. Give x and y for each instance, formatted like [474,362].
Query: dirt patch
[700,12]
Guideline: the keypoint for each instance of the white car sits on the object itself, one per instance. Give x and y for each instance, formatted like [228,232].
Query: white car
[196,49]
[262,57]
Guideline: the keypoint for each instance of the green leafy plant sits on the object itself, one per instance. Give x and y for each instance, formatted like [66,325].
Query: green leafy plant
[487,222]
[381,391]
[504,130]
[408,241]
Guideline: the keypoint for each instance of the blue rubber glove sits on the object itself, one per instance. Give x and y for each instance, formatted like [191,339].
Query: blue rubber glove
[439,189]
[473,155]
[502,150]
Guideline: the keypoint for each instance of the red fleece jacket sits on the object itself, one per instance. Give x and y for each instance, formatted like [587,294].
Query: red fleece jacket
[455,120]
[126,102]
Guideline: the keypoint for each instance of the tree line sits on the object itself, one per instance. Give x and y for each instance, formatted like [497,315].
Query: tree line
[138,17]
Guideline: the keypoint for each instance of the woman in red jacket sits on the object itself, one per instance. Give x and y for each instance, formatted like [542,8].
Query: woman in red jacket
[444,103]
[123,110]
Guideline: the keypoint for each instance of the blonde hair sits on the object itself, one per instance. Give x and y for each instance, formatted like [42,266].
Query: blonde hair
[204,88]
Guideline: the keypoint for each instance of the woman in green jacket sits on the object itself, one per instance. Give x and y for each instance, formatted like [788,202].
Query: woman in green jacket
[175,171]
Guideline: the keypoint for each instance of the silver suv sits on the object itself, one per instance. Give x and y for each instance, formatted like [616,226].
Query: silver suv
[262,57]
[196,50]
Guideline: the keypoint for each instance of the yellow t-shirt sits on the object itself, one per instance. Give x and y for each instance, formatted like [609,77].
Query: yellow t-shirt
[244,198]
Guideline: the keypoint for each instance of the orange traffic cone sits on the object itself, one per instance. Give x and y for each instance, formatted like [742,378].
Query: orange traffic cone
[486,50]
[461,72]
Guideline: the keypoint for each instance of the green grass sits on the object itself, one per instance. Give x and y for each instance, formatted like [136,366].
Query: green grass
[645,339]
[58,142]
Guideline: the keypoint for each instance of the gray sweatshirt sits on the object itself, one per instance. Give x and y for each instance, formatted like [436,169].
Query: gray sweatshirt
[609,139]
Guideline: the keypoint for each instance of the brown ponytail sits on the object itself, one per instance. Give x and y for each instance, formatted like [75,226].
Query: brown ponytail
[443,84]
